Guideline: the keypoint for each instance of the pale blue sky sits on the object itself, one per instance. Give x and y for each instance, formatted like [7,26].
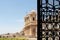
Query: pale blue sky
[12,14]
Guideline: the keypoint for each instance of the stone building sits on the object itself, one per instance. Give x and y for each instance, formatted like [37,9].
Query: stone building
[50,29]
[30,29]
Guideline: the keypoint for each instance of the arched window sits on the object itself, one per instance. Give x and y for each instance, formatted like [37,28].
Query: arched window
[33,18]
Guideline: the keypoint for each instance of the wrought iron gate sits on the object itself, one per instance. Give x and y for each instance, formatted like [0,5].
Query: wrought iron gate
[48,19]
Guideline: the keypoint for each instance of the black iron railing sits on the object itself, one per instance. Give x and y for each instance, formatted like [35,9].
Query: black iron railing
[48,16]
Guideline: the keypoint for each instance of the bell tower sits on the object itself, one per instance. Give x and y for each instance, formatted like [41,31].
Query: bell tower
[30,29]
[31,17]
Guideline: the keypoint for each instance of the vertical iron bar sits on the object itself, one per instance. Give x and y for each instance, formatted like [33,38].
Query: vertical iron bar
[39,32]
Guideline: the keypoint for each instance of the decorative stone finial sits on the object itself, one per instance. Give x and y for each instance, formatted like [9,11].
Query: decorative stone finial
[33,11]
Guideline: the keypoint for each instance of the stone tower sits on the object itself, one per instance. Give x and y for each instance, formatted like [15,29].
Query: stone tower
[30,29]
